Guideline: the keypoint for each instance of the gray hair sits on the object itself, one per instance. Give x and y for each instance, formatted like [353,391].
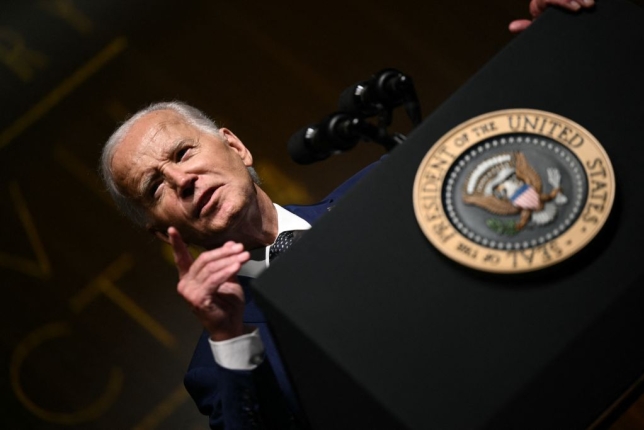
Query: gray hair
[191,115]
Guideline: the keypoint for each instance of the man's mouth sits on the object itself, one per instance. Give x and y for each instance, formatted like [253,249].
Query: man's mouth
[205,202]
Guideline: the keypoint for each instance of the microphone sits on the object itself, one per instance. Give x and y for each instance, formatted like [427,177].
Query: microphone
[385,90]
[337,132]
[343,130]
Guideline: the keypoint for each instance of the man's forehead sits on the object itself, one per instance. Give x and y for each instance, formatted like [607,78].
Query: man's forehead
[156,127]
[146,144]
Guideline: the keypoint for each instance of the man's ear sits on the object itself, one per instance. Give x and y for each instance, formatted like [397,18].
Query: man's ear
[159,233]
[237,145]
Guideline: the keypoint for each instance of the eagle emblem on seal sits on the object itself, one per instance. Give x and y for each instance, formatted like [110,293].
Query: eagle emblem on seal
[507,185]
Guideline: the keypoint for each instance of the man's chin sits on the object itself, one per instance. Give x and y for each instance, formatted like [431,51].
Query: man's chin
[217,234]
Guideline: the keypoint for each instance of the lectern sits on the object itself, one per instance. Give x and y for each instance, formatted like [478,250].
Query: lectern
[380,329]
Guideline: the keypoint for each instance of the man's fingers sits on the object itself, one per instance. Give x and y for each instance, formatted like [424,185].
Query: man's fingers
[219,270]
[228,249]
[230,293]
[205,291]
[570,4]
[538,6]
[519,25]
[182,257]
[209,277]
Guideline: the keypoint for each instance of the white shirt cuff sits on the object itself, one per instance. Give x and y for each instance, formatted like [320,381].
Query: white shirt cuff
[244,352]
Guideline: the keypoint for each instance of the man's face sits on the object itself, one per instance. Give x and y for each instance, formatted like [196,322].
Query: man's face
[186,178]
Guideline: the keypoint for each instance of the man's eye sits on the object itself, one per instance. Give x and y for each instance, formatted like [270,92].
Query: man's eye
[154,190]
[181,153]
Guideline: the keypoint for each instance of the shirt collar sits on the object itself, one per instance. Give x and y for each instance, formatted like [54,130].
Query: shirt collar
[285,221]
[289,221]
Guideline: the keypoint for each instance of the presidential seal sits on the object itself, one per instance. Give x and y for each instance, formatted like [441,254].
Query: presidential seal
[514,191]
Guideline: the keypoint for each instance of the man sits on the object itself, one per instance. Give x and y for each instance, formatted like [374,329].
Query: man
[186,181]
[183,179]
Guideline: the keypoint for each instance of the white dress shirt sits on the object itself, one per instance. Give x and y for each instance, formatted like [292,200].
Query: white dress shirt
[246,352]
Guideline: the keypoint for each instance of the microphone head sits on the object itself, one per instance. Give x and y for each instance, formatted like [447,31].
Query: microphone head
[339,131]
[301,149]
[390,87]
[353,99]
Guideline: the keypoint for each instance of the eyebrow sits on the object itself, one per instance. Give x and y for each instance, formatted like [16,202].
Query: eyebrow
[146,183]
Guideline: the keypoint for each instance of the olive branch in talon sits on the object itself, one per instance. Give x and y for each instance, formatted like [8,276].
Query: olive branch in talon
[498,226]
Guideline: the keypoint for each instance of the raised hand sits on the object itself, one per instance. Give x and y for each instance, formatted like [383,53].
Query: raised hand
[538,6]
[209,284]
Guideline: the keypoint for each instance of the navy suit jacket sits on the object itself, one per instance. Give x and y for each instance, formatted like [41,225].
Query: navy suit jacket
[262,398]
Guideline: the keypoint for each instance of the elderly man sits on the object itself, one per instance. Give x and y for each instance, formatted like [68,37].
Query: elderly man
[172,170]
[186,181]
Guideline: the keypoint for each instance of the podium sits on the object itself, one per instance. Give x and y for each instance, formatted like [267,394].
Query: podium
[379,330]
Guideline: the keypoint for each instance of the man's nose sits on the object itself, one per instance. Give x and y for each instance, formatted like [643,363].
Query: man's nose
[182,182]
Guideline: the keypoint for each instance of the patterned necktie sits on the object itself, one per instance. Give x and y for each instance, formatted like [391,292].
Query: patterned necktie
[283,242]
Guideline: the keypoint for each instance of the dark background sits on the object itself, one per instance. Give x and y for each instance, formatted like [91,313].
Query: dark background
[93,333]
